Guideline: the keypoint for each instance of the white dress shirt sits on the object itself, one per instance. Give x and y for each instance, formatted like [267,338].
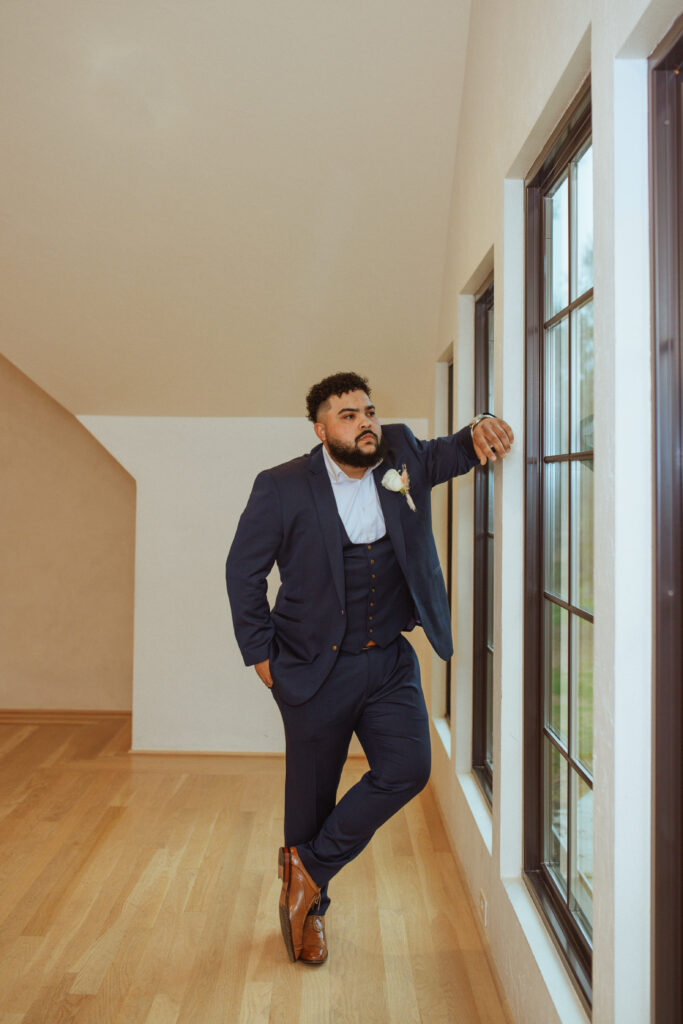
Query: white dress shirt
[357,502]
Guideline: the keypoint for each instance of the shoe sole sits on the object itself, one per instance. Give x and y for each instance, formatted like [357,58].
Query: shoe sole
[313,963]
[283,871]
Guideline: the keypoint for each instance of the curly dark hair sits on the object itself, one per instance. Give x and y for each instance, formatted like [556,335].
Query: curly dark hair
[338,384]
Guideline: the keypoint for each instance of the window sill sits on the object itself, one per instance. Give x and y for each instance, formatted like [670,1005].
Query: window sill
[443,728]
[561,987]
[479,807]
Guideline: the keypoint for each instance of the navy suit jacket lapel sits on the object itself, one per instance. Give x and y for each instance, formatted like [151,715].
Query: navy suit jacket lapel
[329,518]
[390,502]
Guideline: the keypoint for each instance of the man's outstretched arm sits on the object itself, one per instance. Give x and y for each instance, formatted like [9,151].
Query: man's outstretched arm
[455,454]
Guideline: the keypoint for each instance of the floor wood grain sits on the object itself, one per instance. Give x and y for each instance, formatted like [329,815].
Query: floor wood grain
[143,889]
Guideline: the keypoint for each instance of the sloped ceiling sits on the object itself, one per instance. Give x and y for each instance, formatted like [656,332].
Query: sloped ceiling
[208,205]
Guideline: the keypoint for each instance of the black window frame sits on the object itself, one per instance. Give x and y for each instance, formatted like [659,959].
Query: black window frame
[449,533]
[571,135]
[666,208]
[482,600]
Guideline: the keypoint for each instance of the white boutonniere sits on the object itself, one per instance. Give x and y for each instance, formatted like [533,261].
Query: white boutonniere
[400,483]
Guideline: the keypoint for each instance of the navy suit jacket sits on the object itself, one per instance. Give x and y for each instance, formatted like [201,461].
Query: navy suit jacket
[291,518]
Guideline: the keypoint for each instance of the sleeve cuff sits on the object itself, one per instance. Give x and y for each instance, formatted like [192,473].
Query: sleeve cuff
[256,655]
[465,437]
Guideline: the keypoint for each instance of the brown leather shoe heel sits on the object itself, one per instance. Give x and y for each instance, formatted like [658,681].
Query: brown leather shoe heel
[314,946]
[299,893]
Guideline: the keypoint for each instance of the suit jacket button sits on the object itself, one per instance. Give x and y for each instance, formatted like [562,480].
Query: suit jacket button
[334,647]
[342,611]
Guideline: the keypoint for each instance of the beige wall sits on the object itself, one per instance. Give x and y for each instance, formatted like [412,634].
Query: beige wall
[218,204]
[66,558]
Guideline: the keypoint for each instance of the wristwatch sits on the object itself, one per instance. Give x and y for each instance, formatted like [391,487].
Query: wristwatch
[479,418]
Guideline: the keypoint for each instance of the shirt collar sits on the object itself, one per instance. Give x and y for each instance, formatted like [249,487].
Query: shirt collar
[337,474]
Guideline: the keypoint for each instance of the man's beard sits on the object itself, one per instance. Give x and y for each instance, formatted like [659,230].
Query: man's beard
[352,455]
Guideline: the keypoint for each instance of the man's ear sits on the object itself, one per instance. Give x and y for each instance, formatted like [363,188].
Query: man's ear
[319,431]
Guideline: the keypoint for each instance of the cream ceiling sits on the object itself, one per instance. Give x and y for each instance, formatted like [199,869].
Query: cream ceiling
[208,205]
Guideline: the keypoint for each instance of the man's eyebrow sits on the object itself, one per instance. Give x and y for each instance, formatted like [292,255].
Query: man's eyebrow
[354,408]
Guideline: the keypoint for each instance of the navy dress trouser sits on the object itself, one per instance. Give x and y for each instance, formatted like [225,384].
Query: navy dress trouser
[378,695]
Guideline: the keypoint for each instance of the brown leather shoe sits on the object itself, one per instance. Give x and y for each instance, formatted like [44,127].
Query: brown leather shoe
[314,947]
[299,893]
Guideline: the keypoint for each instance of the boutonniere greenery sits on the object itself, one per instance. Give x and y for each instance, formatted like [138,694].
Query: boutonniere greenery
[400,483]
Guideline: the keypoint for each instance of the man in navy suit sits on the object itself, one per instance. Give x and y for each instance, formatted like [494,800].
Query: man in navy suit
[349,526]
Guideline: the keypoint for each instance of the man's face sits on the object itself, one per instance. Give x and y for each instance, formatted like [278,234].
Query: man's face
[349,427]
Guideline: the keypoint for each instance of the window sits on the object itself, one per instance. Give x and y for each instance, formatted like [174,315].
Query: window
[558,769]
[482,660]
[667,188]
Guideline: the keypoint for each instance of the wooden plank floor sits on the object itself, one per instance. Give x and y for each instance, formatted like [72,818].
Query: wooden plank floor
[143,889]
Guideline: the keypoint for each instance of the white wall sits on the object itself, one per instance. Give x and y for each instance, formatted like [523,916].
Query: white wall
[524,65]
[191,689]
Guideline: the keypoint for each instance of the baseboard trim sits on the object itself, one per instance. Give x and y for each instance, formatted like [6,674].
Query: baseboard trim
[41,716]
[279,754]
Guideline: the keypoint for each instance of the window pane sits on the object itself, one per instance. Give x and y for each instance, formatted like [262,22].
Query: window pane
[556,212]
[556,395]
[581,894]
[483,548]
[582,691]
[582,379]
[583,251]
[582,534]
[555,826]
[556,648]
[555,528]
[489,708]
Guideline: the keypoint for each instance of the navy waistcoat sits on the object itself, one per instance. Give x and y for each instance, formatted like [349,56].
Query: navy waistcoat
[379,605]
